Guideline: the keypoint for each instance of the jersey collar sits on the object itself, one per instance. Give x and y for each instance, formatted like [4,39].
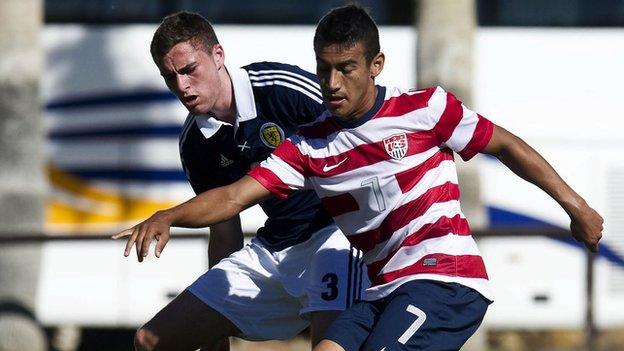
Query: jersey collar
[243,98]
[381,96]
[243,95]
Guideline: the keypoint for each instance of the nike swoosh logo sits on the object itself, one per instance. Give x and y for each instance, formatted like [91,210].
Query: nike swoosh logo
[327,168]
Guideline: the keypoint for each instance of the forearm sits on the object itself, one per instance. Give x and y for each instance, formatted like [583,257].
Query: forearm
[206,209]
[528,164]
[216,205]
[585,222]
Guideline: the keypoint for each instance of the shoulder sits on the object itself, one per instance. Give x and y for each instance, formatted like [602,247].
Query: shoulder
[276,68]
[283,81]
[400,101]
[442,100]
[321,128]
[413,96]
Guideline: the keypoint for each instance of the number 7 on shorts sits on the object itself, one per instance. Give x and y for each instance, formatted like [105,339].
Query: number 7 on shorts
[417,323]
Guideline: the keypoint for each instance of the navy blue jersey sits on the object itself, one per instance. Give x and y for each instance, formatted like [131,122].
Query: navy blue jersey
[272,100]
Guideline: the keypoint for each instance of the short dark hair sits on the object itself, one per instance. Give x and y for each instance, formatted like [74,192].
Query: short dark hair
[347,26]
[180,27]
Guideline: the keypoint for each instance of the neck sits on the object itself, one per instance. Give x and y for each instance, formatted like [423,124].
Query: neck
[225,106]
[367,103]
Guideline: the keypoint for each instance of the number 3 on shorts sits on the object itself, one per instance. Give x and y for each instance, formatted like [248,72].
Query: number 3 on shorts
[331,279]
[417,323]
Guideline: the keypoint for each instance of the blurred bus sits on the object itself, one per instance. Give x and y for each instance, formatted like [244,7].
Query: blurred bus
[113,152]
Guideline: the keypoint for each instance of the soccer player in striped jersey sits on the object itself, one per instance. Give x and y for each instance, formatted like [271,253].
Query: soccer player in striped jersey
[299,270]
[381,160]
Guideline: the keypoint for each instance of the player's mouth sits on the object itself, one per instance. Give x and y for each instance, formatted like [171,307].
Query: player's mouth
[191,100]
[336,101]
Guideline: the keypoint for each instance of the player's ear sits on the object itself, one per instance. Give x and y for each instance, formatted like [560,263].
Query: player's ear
[218,55]
[377,64]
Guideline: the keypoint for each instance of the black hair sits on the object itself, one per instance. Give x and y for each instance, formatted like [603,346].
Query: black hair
[180,27]
[347,26]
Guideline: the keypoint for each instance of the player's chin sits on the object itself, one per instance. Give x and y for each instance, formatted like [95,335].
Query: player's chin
[335,111]
[196,109]
[340,113]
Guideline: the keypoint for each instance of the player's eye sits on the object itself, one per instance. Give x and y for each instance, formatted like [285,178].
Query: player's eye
[188,69]
[347,69]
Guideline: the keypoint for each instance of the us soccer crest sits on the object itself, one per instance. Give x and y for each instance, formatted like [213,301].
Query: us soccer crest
[271,135]
[396,145]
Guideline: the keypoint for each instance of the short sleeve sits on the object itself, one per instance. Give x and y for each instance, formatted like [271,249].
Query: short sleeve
[456,126]
[283,172]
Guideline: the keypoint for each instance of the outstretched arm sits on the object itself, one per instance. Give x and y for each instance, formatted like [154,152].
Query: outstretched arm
[586,223]
[208,208]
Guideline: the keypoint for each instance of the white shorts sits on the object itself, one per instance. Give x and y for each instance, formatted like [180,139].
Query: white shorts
[270,295]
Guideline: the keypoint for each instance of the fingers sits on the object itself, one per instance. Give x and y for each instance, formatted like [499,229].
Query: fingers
[122,234]
[590,244]
[146,235]
[588,229]
[141,237]
[594,243]
[143,247]
[162,241]
[139,242]
[130,241]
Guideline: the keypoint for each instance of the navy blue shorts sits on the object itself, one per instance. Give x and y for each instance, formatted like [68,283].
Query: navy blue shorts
[419,315]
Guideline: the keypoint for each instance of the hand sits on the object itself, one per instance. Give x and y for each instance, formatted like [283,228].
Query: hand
[156,227]
[586,227]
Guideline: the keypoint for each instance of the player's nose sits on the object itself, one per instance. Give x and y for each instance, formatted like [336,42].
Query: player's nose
[334,81]
[182,83]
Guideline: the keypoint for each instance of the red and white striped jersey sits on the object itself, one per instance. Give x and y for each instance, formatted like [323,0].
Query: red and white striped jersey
[390,184]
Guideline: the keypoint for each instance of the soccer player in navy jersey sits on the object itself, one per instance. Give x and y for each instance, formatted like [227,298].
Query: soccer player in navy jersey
[299,270]
[381,160]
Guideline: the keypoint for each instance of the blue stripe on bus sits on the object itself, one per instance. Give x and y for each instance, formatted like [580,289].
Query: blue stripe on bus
[112,99]
[172,131]
[502,218]
[139,175]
